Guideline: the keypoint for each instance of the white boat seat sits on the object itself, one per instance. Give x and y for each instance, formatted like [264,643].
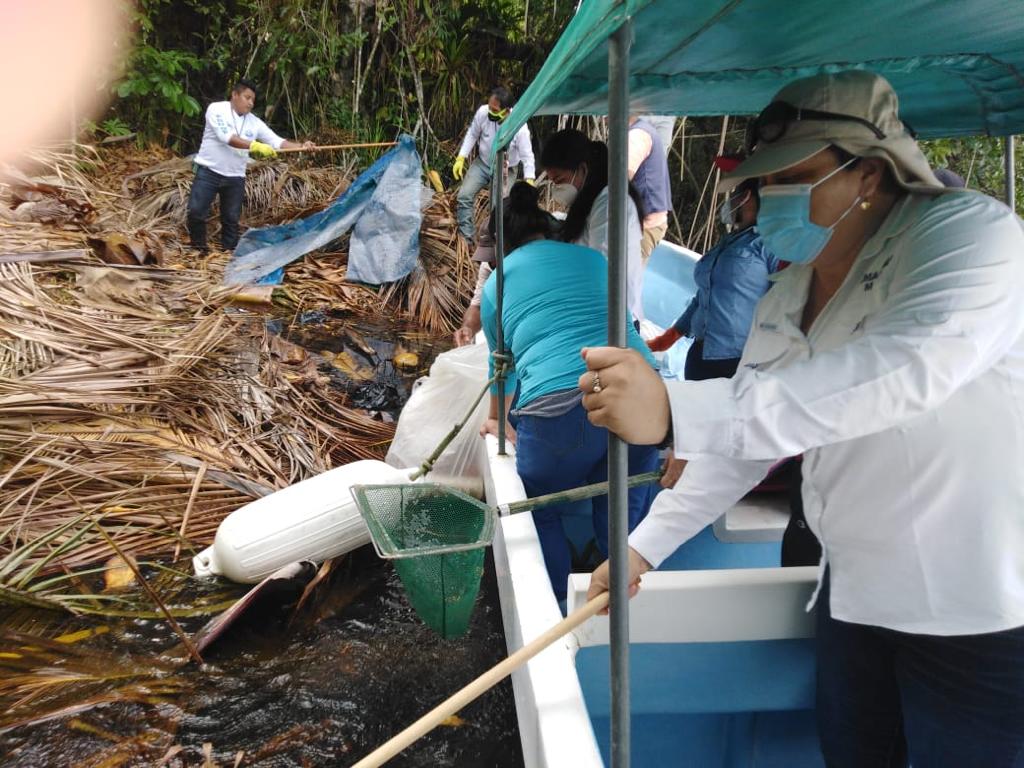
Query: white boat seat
[709,606]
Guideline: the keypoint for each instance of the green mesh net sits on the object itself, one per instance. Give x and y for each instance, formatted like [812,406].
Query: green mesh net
[437,537]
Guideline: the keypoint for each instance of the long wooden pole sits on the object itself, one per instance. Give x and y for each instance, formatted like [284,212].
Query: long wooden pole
[485,682]
[326,147]
[498,207]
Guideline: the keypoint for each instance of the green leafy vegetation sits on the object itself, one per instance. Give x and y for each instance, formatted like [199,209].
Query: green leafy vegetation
[351,69]
[366,70]
[979,160]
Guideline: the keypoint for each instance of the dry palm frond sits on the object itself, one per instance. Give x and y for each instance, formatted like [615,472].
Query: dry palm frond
[43,679]
[110,407]
[150,206]
[437,292]
[66,166]
[275,191]
[130,396]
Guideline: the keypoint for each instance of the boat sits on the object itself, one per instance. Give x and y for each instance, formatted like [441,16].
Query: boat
[726,576]
[718,645]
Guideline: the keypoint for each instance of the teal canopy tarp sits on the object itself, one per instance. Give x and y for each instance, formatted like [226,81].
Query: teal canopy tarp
[956,64]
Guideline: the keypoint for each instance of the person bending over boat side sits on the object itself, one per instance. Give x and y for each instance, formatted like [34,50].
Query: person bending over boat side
[554,303]
[578,167]
[891,354]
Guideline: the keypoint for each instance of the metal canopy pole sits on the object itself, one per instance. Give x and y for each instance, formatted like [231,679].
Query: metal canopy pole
[498,206]
[618,451]
[1011,179]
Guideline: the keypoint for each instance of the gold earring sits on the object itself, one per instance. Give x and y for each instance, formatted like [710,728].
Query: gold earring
[865,204]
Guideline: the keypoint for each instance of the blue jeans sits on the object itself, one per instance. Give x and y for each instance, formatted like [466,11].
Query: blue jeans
[555,454]
[885,697]
[477,177]
[206,186]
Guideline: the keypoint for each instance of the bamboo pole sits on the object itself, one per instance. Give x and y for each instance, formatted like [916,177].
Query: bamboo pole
[574,494]
[188,507]
[485,682]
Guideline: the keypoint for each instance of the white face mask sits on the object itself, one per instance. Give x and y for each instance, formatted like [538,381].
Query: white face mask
[565,193]
[727,211]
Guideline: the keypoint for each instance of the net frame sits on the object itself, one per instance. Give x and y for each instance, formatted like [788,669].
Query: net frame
[388,546]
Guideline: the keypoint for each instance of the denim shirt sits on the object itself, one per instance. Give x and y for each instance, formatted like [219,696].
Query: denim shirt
[731,278]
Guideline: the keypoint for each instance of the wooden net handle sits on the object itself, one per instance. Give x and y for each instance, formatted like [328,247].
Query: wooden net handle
[326,147]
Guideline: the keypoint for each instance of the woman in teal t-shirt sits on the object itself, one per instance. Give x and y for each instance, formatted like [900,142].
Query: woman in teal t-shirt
[555,304]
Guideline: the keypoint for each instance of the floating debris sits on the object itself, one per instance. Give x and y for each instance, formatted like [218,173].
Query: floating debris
[118,575]
[405,359]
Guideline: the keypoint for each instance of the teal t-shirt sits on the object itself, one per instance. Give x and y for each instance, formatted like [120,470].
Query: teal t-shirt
[556,303]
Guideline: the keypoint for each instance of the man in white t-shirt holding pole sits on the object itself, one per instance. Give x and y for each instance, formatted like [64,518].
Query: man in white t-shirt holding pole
[231,136]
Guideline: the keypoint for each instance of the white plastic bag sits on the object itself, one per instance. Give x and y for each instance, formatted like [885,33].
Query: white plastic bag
[437,402]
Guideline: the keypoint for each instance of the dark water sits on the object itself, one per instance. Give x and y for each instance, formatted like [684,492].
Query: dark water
[323,686]
[369,373]
[355,668]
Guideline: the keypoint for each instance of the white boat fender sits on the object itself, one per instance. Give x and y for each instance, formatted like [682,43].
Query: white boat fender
[315,519]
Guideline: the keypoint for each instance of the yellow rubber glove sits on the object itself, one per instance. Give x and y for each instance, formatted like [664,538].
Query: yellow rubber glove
[531,182]
[260,151]
[459,168]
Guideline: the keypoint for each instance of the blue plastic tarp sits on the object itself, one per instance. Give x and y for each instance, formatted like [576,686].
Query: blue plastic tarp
[383,204]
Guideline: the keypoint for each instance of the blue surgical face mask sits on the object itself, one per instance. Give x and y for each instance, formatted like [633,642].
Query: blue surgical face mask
[784,220]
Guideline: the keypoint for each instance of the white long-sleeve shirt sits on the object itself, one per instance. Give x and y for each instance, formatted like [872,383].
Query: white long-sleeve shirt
[481,280]
[595,235]
[907,399]
[221,124]
[481,135]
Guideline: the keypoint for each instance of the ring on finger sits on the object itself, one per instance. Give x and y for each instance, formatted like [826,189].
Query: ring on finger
[596,386]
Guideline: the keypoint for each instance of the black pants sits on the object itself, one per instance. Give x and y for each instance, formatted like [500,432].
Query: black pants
[699,369]
[799,545]
[206,186]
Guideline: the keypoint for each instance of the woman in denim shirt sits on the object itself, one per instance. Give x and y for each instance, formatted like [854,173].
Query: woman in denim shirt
[731,278]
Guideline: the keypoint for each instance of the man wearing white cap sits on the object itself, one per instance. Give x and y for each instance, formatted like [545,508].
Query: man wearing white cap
[891,354]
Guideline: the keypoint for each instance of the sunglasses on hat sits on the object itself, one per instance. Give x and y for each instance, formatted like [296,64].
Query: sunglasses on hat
[775,119]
